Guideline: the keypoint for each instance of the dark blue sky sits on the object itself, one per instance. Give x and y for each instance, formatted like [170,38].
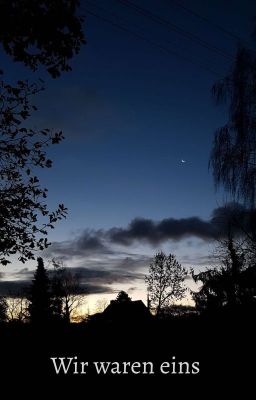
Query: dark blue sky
[131,110]
[130,113]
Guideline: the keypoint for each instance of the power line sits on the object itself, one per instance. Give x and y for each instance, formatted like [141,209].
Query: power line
[146,39]
[114,14]
[207,20]
[173,27]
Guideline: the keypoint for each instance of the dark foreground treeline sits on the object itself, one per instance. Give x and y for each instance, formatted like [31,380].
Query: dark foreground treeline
[223,348]
[181,347]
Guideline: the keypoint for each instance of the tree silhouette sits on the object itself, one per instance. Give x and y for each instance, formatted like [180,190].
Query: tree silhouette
[123,297]
[57,293]
[165,282]
[40,299]
[233,157]
[37,33]
[68,295]
[3,309]
[44,32]
[229,286]
[18,308]
[73,294]
[22,200]
[101,305]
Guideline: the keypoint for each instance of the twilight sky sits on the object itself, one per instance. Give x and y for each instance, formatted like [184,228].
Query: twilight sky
[137,102]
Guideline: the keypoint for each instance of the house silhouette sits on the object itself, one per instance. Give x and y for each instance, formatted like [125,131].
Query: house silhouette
[123,309]
[126,311]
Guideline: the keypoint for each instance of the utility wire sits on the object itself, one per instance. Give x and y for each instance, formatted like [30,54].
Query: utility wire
[207,20]
[146,39]
[173,27]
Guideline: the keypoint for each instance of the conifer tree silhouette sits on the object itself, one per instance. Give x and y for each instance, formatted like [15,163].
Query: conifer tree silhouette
[40,301]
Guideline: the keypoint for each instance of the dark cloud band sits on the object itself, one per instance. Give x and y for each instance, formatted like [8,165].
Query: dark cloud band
[92,281]
[232,217]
